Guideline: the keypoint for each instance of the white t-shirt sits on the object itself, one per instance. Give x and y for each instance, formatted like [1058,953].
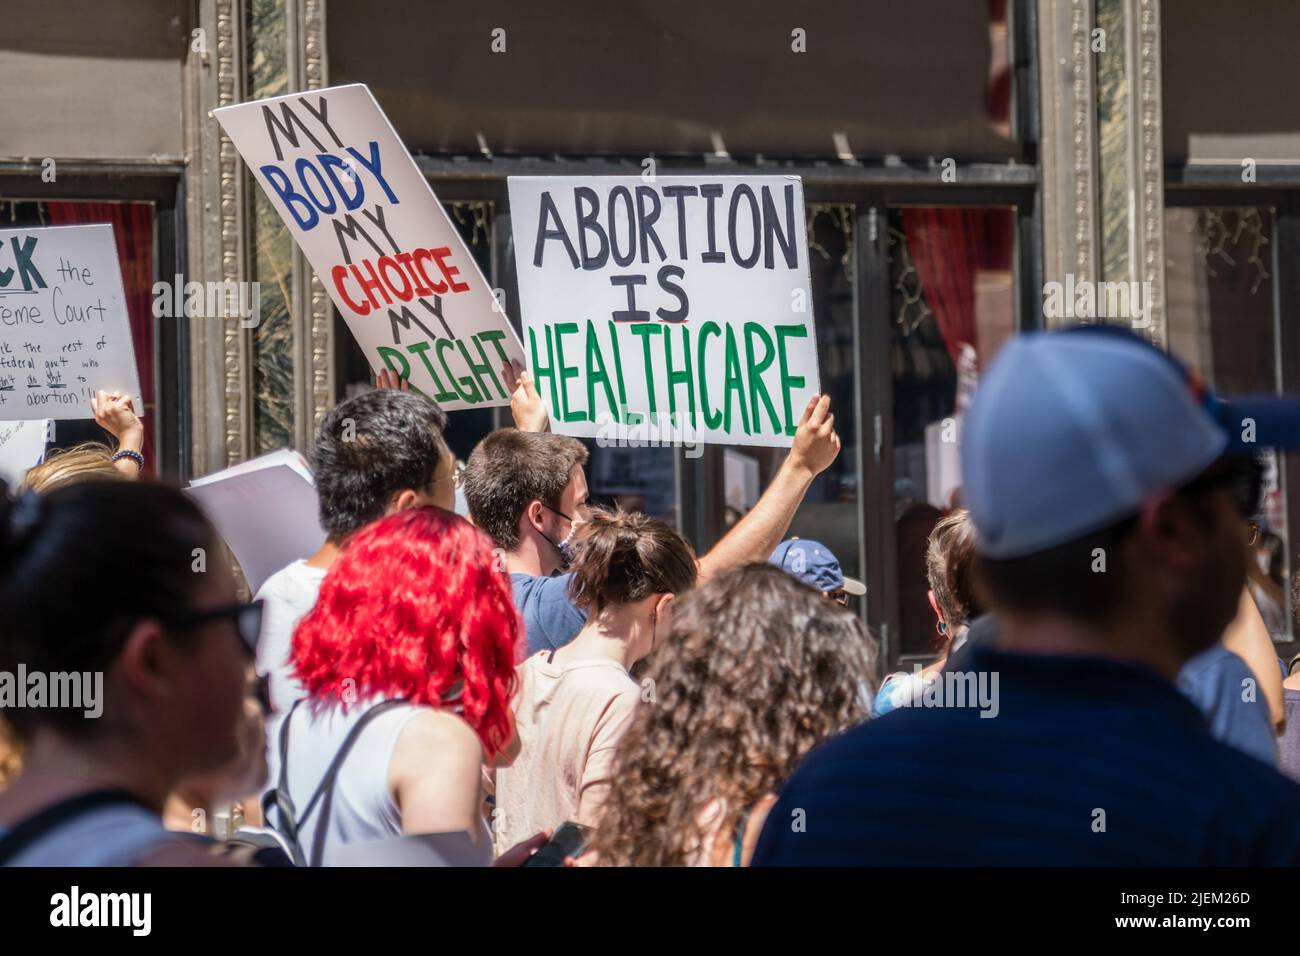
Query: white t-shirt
[289,594]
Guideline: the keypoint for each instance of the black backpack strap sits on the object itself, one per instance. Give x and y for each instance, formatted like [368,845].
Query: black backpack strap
[290,823]
[42,822]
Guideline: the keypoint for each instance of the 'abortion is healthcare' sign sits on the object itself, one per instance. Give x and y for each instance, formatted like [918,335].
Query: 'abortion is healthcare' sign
[673,308]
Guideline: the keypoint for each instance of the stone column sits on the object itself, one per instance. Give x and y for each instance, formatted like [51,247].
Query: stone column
[1102,157]
[1068,140]
[252,390]
[216,223]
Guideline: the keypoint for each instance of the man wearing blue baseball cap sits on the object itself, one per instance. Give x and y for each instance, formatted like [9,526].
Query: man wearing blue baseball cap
[1110,493]
[816,566]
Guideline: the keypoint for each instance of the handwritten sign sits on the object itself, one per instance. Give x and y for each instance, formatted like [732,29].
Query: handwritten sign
[675,308]
[399,273]
[22,446]
[64,331]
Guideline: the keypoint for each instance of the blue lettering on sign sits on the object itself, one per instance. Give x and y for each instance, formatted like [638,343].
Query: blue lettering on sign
[322,184]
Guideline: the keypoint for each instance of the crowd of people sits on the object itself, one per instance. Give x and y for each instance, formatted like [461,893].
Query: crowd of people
[431,688]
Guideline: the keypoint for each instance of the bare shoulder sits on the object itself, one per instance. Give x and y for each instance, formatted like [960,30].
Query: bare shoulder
[438,738]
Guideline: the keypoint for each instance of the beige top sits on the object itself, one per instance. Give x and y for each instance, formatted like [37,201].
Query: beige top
[569,720]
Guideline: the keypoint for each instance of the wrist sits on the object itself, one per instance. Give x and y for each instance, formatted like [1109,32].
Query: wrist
[797,468]
[127,454]
[132,438]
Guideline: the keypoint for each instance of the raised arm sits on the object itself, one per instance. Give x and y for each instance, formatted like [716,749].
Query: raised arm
[115,413]
[755,536]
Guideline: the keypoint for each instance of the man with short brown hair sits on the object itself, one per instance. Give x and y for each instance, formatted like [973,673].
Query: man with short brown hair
[525,487]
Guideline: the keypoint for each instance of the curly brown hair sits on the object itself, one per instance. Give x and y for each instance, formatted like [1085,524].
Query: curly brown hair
[756,670]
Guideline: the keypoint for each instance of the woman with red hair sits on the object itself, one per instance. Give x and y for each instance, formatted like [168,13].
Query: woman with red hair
[408,663]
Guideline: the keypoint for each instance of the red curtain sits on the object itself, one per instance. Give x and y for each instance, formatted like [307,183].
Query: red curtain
[948,246]
[132,224]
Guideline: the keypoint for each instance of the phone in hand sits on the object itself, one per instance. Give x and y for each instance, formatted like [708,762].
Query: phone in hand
[569,839]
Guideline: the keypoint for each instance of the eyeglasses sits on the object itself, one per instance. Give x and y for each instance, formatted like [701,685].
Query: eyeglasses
[839,597]
[1252,532]
[457,475]
[556,511]
[247,619]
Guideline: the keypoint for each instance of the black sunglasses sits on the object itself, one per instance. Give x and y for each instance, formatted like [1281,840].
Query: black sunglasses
[247,618]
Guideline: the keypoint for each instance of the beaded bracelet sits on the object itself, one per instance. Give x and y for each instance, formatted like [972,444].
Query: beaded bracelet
[135,456]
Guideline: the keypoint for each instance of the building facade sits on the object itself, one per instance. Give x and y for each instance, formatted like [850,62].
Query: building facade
[969,167]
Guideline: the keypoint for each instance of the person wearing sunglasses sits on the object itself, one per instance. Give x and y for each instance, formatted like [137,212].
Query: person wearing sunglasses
[119,583]
[1110,493]
[192,808]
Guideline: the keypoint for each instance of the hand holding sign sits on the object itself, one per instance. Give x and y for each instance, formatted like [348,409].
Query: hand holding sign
[815,442]
[526,406]
[115,413]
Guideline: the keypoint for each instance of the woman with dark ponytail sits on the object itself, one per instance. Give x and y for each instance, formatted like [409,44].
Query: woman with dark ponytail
[124,660]
[575,703]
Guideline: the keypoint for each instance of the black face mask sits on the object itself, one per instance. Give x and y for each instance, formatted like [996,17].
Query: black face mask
[562,548]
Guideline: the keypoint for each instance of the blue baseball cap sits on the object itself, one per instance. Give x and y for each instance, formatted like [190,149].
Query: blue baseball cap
[1070,431]
[815,565]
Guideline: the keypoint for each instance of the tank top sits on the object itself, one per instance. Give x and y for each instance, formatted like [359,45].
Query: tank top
[362,808]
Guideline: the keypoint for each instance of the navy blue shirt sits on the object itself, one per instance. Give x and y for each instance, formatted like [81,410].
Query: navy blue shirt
[1086,762]
[550,619]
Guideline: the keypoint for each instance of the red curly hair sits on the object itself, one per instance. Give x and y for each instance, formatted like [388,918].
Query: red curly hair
[414,605]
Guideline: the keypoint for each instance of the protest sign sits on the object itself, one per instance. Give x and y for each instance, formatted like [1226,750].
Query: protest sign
[670,307]
[64,332]
[266,510]
[365,217]
[22,446]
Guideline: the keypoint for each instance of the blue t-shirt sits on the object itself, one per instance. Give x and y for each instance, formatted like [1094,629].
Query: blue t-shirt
[550,619]
[1217,681]
[1086,761]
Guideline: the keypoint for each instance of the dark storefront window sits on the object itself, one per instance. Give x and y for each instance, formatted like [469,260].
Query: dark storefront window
[1222,321]
[952,307]
[830,512]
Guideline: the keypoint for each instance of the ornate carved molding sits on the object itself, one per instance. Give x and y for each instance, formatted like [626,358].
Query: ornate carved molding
[218,403]
[321,310]
[313,324]
[1068,147]
[236,350]
[1148,165]
[1083,136]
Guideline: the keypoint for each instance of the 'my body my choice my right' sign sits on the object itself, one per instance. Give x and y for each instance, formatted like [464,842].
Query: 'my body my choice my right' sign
[675,308]
[355,202]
